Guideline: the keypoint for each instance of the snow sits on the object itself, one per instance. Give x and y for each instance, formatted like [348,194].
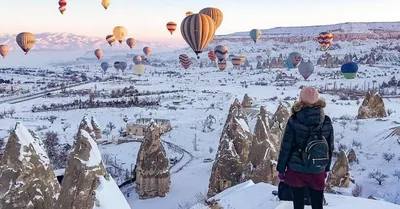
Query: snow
[95,123]
[109,195]
[243,124]
[94,154]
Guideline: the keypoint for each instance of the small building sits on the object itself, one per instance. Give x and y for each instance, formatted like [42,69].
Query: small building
[139,127]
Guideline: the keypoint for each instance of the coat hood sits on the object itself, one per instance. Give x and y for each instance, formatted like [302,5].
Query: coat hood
[309,115]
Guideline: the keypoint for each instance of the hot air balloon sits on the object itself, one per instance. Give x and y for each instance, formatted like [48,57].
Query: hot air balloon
[4,49]
[116,65]
[231,56]
[26,41]
[105,3]
[147,51]
[120,33]
[104,66]
[349,70]
[139,69]
[98,53]
[295,58]
[185,61]
[171,26]
[188,13]
[212,56]
[268,52]
[236,61]
[325,40]
[198,30]
[110,39]
[215,14]
[137,59]
[259,58]
[131,42]
[123,66]
[242,58]
[63,6]
[222,65]
[288,64]
[255,34]
[306,69]
[221,52]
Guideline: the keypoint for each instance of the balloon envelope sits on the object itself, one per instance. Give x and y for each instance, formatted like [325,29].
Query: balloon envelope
[306,69]
[185,61]
[147,50]
[255,34]
[98,53]
[222,65]
[110,39]
[212,56]
[137,59]
[171,26]
[221,52]
[139,69]
[26,41]
[131,42]
[236,61]
[188,13]
[105,3]
[120,33]
[295,58]
[123,65]
[325,39]
[116,65]
[4,50]
[215,14]
[268,52]
[349,70]
[104,66]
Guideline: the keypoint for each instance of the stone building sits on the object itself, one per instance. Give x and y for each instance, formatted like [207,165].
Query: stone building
[139,127]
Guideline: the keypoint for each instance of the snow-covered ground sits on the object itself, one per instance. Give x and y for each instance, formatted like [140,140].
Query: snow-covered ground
[208,91]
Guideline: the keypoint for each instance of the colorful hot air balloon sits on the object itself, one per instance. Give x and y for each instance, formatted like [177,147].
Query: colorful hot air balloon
[306,69]
[116,65]
[259,58]
[289,64]
[26,41]
[295,58]
[139,69]
[255,34]
[325,40]
[222,65]
[242,58]
[131,42]
[221,52]
[63,6]
[215,14]
[198,30]
[120,33]
[349,70]
[110,39]
[98,53]
[104,66]
[188,13]
[171,26]
[185,61]
[123,66]
[236,61]
[4,49]
[212,56]
[268,52]
[147,51]
[105,3]
[137,59]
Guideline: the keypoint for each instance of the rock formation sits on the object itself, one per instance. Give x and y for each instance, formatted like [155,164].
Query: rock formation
[263,155]
[233,151]
[351,156]
[152,171]
[87,126]
[281,116]
[96,128]
[372,107]
[86,183]
[247,101]
[26,177]
[340,174]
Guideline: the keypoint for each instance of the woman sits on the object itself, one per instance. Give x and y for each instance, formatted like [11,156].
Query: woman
[306,151]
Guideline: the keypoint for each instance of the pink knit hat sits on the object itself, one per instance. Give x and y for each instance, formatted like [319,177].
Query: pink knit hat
[309,95]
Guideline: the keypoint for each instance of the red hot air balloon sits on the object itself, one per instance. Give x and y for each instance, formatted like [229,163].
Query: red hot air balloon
[185,61]
[222,65]
[236,61]
[62,4]
[212,56]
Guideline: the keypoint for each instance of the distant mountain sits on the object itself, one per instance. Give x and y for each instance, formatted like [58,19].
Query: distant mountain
[341,31]
[73,42]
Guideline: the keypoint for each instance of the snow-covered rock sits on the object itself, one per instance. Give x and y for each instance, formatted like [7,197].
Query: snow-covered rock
[96,128]
[372,107]
[340,173]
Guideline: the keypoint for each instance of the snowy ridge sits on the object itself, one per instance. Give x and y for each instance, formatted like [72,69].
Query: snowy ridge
[109,195]
[247,195]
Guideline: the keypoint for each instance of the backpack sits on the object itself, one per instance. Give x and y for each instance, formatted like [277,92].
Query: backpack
[316,152]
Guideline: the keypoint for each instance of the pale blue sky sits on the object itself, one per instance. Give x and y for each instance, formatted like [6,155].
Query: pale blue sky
[146,19]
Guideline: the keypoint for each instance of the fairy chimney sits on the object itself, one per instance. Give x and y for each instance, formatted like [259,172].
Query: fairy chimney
[281,116]
[153,178]
[372,107]
[351,156]
[96,128]
[26,176]
[340,173]
[247,101]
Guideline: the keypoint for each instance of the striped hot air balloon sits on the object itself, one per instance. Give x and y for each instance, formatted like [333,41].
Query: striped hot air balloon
[221,52]
[236,61]
[63,6]
[212,56]
[325,40]
[349,70]
[222,65]
[4,50]
[26,41]
[215,14]
[110,39]
[185,61]
[198,30]
[171,26]
[188,13]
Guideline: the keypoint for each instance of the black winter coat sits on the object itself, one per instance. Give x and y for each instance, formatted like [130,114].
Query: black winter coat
[296,135]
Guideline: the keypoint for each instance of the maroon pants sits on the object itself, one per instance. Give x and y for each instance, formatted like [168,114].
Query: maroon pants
[315,181]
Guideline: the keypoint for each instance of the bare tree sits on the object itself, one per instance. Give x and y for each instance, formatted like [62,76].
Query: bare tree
[388,156]
[11,111]
[208,122]
[51,143]
[397,174]
[110,126]
[106,132]
[378,176]
[52,119]
[390,111]
[66,126]
[121,131]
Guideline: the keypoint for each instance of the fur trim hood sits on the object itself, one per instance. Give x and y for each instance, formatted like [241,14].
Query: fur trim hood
[299,105]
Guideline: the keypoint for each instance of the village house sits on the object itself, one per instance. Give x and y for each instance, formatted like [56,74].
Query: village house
[139,127]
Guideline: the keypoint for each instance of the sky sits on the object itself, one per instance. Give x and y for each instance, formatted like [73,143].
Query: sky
[146,19]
